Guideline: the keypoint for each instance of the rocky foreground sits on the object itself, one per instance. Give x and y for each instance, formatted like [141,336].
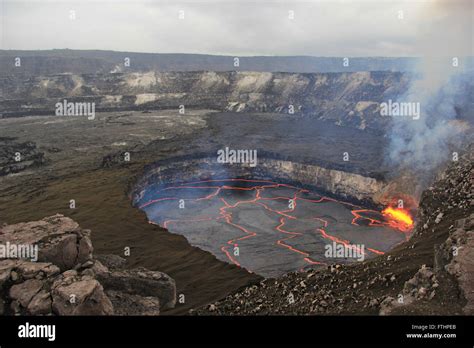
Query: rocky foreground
[432,273]
[66,278]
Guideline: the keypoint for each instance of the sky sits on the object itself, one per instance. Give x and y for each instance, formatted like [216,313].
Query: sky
[246,28]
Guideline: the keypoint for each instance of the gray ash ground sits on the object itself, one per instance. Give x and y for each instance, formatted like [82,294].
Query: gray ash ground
[269,228]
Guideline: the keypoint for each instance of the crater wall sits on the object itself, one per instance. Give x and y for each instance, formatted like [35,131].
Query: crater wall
[335,182]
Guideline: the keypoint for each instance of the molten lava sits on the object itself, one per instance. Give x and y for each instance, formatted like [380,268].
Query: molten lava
[394,218]
[398,218]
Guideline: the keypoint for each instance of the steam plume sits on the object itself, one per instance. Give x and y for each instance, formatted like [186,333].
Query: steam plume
[438,85]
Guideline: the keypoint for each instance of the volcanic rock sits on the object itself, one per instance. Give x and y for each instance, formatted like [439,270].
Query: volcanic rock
[25,291]
[241,91]
[414,289]
[40,304]
[111,261]
[75,295]
[16,157]
[459,250]
[67,282]
[127,304]
[142,282]
[59,239]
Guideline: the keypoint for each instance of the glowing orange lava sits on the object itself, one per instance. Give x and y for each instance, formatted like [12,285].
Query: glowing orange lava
[398,218]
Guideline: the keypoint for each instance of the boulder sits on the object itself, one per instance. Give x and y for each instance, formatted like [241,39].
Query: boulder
[143,282]
[17,271]
[66,278]
[6,267]
[111,261]
[40,304]
[59,239]
[25,291]
[127,304]
[76,295]
[420,286]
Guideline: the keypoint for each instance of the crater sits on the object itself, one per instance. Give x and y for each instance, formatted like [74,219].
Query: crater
[271,219]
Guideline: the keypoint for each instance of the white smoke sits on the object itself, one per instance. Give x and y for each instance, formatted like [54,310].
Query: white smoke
[422,143]
[438,85]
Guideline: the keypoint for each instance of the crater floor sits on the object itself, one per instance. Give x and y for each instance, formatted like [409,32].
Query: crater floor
[269,228]
[74,150]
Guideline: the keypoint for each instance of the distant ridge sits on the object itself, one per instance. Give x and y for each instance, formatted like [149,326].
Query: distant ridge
[45,62]
[58,61]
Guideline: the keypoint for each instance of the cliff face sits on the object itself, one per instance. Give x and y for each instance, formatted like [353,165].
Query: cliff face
[344,98]
[336,182]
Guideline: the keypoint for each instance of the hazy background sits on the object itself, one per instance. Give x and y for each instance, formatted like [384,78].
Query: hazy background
[319,28]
